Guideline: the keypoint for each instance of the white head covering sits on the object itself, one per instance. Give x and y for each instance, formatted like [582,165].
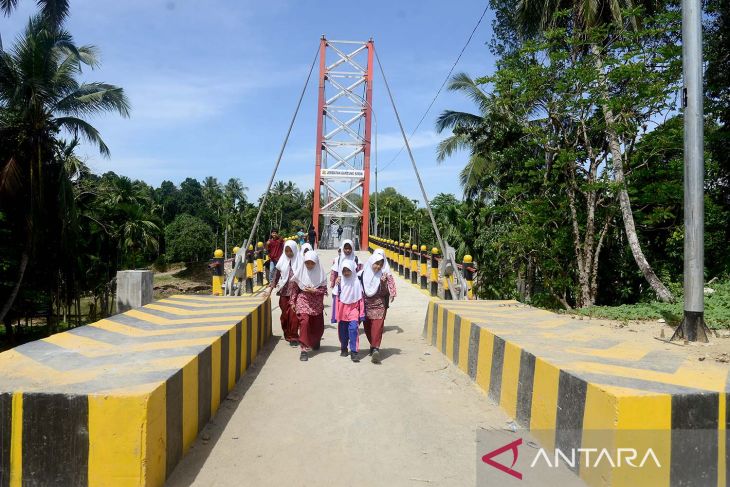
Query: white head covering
[386,266]
[344,257]
[310,278]
[306,247]
[370,279]
[284,261]
[350,287]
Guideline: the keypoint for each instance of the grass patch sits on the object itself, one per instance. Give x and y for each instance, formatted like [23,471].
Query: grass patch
[717,309]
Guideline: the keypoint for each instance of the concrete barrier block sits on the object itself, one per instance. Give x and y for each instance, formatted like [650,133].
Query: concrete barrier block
[134,290]
[120,401]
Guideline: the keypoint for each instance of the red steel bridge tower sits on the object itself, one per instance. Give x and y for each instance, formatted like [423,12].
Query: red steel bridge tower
[342,164]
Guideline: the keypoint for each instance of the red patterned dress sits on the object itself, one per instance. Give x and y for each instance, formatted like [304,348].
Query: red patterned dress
[376,310]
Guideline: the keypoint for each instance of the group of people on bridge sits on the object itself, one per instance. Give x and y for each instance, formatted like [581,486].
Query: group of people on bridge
[361,295]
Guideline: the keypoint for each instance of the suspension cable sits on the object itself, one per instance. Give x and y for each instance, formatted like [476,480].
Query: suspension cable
[246,243]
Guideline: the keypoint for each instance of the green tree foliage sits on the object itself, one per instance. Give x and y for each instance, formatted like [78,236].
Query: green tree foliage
[41,96]
[541,209]
[189,239]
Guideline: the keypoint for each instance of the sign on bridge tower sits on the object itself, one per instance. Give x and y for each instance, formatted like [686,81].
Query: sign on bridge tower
[342,165]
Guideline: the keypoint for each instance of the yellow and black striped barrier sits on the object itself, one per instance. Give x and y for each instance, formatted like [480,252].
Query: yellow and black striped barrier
[407,261]
[424,267]
[414,264]
[120,401]
[260,264]
[580,388]
[434,278]
[249,269]
[217,268]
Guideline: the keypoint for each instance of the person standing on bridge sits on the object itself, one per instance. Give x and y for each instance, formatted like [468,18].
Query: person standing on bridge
[379,287]
[312,236]
[274,247]
[350,310]
[311,281]
[285,269]
[304,249]
[344,254]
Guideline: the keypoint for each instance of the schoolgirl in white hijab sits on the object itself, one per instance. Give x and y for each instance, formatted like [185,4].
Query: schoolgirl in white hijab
[350,287]
[314,277]
[285,263]
[370,279]
[306,247]
[386,266]
[343,257]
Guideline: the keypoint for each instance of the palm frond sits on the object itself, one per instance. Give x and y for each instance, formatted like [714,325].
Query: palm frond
[450,145]
[77,127]
[451,119]
[464,83]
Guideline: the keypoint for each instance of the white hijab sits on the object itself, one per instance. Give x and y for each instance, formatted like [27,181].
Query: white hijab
[315,277]
[284,262]
[350,287]
[370,279]
[386,266]
[342,258]
[305,248]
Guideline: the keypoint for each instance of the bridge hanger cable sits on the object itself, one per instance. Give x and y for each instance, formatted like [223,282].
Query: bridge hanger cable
[446,79]
[239,261]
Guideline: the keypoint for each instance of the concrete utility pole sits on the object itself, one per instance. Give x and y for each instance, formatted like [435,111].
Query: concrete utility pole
[693,325]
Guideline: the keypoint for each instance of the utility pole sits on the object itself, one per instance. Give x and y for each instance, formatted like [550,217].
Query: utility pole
[693,326]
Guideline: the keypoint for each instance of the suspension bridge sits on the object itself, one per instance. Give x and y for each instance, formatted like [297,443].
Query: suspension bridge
[200,390]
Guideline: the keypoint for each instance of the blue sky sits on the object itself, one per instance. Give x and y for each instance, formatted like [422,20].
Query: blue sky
[213,83]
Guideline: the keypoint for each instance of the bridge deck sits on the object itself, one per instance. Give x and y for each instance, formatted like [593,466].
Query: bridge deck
[409,421]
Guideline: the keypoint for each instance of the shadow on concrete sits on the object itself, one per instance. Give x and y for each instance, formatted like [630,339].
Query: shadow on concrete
[386,353]
[196,457]
[395,328]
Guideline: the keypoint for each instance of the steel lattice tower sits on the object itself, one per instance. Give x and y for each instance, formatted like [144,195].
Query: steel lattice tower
[342,167]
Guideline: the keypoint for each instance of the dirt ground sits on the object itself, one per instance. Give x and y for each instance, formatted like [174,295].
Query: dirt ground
[411,420]
[717,350]
[180,279]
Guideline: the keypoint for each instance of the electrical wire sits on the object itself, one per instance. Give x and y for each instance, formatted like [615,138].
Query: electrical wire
[448,76]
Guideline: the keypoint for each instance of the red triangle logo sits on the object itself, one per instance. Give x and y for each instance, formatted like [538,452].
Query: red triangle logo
[488,458]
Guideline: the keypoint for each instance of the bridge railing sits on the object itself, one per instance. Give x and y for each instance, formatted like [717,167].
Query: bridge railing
[422,267]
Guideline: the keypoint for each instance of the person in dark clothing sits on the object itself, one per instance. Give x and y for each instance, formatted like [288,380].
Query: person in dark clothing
[312,235]
[339,232]
[274,247]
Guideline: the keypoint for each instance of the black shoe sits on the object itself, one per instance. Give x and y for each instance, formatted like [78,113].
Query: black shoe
[316,346]
[304,356]
[371,351]
[343,352]
[293,343]
[354,357]
[376,356]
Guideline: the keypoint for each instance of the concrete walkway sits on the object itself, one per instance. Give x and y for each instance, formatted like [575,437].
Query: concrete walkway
[409,421]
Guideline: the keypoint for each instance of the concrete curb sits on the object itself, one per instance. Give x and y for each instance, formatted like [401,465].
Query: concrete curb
[120,401]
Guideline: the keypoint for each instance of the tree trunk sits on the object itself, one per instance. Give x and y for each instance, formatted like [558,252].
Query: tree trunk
[14,293]
[625,203]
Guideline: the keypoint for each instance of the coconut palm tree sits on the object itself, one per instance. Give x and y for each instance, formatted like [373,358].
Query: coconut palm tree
[40,100]
[535,16]
[55,11]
